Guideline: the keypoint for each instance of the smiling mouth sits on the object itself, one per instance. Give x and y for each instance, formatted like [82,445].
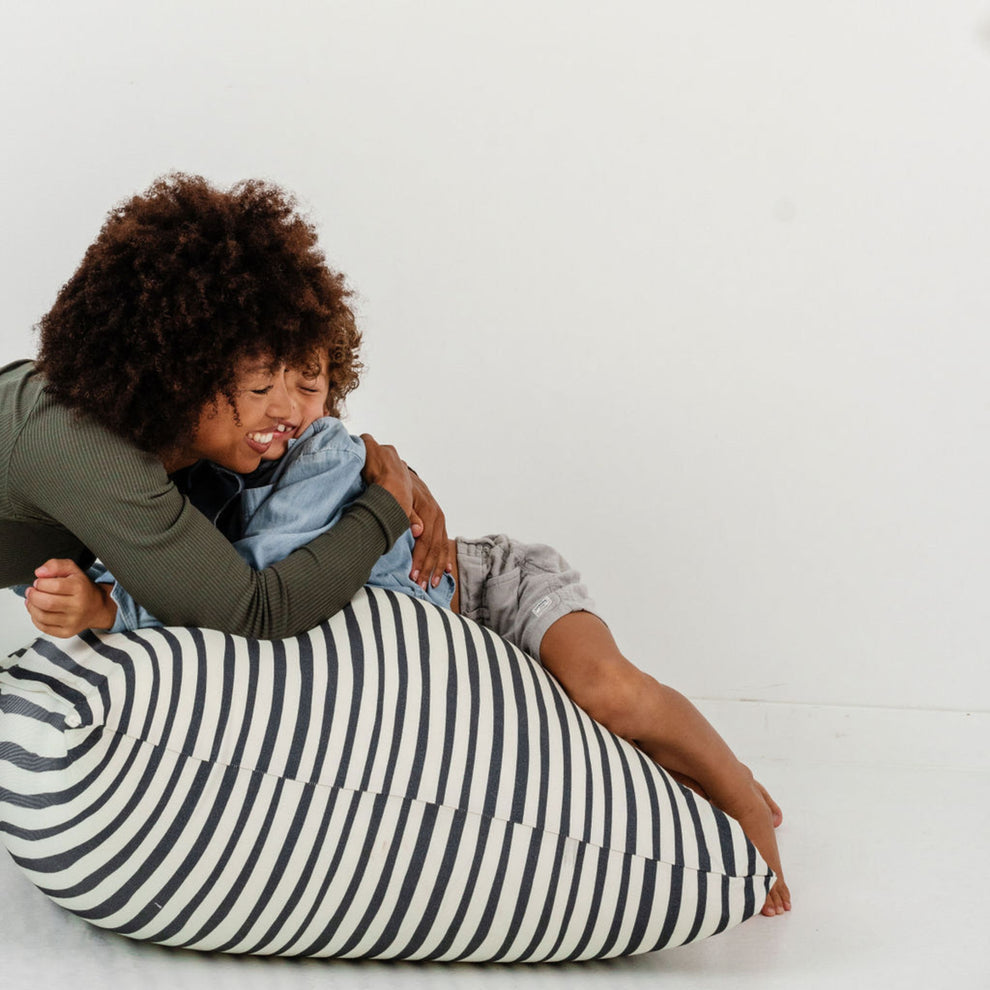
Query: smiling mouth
[264,438]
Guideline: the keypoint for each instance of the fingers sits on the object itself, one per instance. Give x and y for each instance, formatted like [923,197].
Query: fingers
[57,585]
[63,600]
[57,567]
[52,622]
[428,568]
[431,555]
[436,557]
[45,601]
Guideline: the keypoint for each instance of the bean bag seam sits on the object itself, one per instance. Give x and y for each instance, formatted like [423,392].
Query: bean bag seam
[423,801]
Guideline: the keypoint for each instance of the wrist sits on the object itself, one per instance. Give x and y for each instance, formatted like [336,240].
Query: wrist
[107,612]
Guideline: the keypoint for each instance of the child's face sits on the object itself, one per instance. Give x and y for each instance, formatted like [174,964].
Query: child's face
[309,388]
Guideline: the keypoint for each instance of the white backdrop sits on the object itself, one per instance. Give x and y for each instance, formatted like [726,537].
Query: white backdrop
[698,293]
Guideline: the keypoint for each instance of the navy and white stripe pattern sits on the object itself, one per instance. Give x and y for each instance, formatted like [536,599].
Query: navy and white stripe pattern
[399,783]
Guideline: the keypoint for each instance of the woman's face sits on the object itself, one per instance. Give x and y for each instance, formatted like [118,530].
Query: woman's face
[259,422]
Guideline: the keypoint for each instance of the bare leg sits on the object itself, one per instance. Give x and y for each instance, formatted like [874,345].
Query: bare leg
[580,652]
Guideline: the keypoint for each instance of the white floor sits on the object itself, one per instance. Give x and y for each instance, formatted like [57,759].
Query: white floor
[886,847]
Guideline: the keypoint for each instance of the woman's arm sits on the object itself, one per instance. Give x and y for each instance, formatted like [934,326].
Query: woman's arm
[119,502]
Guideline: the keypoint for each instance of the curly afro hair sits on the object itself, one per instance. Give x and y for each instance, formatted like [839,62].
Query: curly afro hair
[182,282]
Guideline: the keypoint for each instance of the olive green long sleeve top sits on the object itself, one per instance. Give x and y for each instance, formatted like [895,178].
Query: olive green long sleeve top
[70,488]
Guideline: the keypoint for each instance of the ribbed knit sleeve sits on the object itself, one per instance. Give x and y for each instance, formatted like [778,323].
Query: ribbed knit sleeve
[120,504]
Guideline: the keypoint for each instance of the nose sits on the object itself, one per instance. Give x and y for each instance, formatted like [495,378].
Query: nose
[280,403]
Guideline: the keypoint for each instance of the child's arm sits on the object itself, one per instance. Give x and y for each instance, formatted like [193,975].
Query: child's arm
[63,601]
[130,615]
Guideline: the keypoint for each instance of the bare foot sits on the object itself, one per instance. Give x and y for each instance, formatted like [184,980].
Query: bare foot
[778,900]
[759,814]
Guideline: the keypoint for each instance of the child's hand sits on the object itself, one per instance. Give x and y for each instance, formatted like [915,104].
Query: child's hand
[63,600]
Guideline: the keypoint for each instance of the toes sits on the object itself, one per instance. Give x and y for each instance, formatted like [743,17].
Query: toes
[778,900]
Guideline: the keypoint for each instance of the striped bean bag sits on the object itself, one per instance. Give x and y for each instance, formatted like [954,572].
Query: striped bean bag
[398,783]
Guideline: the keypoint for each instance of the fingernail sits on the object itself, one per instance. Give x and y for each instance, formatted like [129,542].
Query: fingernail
[436,581]
[415,576]
[422,584]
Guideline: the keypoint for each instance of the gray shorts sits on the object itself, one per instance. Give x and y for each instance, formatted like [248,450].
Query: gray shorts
[518,590]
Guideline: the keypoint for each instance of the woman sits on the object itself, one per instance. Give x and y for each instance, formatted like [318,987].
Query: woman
[146,364]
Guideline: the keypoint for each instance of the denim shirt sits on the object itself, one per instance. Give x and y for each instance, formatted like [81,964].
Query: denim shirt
[284,506]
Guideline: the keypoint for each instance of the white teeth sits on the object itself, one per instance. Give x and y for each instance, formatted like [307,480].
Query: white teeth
[279,428]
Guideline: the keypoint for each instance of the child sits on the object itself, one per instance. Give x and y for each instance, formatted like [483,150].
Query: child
[526,593]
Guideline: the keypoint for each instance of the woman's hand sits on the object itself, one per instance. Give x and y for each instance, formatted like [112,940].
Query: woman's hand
[431,555]
[383,466]
[64,601]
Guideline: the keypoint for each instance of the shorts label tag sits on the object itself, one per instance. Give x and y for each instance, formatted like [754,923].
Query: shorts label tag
[542,605]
